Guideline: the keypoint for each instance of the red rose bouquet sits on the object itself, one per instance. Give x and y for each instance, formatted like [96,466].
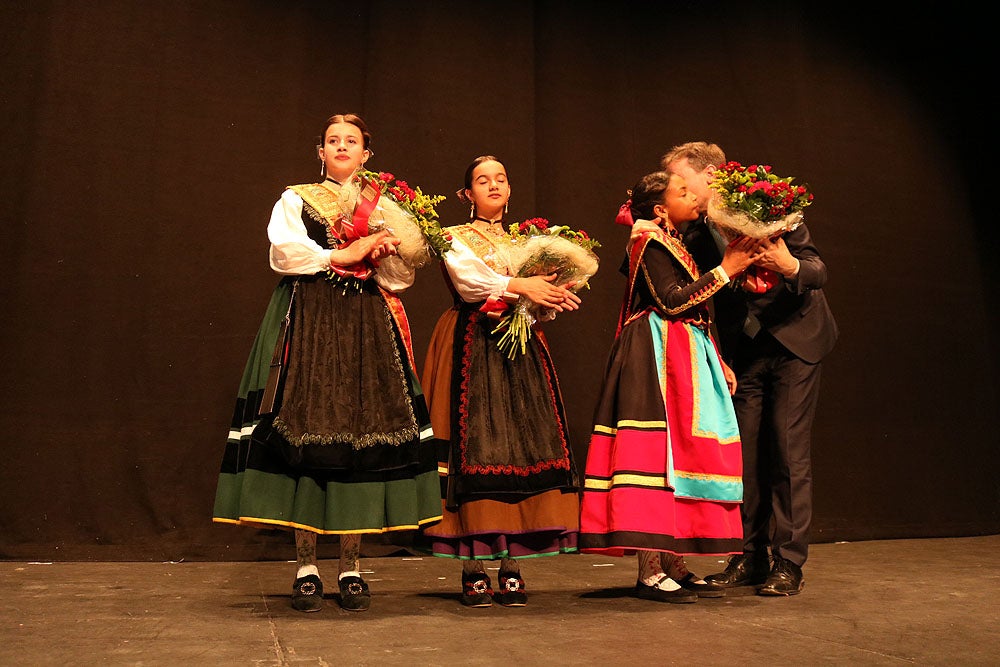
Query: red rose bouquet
[405,211]
[754,202]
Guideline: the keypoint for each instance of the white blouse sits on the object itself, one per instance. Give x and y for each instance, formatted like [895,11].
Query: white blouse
[473,279]
[294,253]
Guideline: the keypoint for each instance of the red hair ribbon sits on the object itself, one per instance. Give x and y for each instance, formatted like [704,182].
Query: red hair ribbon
[624,216]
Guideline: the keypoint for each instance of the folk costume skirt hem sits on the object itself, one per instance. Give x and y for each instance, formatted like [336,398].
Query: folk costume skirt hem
[664,465]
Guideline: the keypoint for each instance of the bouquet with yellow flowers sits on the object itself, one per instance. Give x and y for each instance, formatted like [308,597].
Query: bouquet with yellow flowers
[405,211]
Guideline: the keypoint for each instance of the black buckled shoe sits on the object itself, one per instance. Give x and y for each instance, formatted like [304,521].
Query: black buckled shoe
[785,579]
[477,590]
[307,593]
[511,593]
[354,595]
[746,569]
[702,589]
[678,596]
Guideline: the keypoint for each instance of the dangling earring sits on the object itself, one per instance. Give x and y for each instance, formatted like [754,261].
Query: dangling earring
[505,208]
[472,211]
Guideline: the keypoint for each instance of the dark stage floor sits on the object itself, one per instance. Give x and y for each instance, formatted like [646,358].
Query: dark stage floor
[921,602]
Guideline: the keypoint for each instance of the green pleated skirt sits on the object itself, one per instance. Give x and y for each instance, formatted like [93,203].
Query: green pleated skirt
[348,446]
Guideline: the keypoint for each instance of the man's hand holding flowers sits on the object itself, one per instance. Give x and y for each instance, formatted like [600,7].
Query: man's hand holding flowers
[776,257]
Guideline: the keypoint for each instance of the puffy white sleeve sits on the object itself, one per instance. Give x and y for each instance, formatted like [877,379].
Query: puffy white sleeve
[292,251]
[473,279]
[394,274]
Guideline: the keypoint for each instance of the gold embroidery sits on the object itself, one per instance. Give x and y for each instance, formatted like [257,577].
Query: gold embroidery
[482,244]
[678,250]
[322,199]
[707,477]
[630,479]
[627,423]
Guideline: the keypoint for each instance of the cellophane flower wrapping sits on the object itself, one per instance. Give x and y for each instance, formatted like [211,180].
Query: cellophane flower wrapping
[542,254]
[734,223]
[407,213]
[752,201]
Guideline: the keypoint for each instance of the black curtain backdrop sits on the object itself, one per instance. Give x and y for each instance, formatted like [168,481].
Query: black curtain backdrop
[145,143]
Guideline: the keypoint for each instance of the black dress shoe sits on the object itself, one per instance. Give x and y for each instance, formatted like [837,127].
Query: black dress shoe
[702,590]
[476,590]
[785,579]
[511,593]
[657,594]
[354,594]
[746,569]
[307,593]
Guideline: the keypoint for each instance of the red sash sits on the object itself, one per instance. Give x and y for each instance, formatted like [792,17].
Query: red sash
[356,228]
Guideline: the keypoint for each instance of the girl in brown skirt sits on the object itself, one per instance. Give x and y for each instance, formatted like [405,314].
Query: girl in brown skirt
[509,484]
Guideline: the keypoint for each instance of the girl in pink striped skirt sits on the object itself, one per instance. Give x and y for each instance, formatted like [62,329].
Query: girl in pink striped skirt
[663,475]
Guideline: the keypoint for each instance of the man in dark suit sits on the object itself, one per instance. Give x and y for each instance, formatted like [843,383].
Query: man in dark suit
[774,340]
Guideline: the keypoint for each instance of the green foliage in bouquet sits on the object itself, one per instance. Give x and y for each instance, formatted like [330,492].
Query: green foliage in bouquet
[757,192]
[421,206]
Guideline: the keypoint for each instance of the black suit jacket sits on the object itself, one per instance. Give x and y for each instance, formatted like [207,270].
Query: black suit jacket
[795,311]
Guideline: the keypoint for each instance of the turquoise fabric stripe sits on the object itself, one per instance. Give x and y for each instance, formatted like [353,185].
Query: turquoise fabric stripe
[709,489]
[659,358]
[714,414]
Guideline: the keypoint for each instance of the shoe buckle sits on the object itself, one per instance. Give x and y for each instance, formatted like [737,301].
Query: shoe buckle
[307,588]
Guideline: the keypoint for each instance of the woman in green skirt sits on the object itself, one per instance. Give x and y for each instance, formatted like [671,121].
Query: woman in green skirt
[330,433]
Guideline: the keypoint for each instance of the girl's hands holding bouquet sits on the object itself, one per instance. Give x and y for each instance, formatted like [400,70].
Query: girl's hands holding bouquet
[384,248]
[537,299]
[549,264]
[373,247]
[740,253]
[541,292]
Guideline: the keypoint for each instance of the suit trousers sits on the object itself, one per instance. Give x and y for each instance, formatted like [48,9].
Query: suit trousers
[775,403]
